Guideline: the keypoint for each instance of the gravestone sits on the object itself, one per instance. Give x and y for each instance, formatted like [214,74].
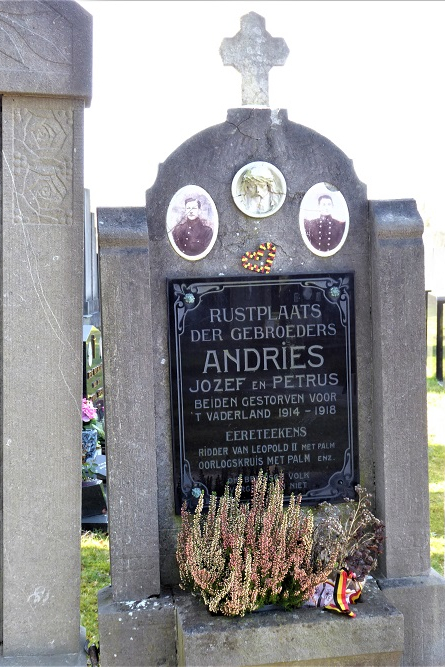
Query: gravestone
[91,301]
[93,367]
[45,65]
[259,270]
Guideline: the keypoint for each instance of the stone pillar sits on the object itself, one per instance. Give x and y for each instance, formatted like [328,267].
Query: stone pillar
[400,427]
[129,404]
[45,69]
[133,628]
[401,438]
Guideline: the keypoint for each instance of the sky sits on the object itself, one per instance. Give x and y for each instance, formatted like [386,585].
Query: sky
[367,74]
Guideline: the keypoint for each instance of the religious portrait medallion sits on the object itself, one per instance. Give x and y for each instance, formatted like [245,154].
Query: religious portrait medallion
[259,189]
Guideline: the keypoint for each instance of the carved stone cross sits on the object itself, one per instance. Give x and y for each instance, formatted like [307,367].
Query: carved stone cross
[253,52]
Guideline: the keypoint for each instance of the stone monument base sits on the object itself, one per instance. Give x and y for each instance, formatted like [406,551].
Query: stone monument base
[422,603]
[400,623]
[61,660]
[306,636]
[139,633]
[178,630]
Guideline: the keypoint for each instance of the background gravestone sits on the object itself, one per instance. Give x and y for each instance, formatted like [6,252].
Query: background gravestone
[45,73]
[383,250]
[91,301]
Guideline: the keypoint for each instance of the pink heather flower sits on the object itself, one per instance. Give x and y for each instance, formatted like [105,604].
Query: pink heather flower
[89,412]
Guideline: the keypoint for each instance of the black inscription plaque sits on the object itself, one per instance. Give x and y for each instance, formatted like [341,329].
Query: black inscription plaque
[263,376]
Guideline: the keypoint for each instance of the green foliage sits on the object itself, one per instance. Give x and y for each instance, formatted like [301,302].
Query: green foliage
[95,574]
[100,431]
[436,465]
[241,556]
[89,469]
[433,387]
[436,452]
[436,460]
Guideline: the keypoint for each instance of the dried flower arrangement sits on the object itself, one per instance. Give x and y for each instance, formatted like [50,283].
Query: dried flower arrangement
[360,534]
[239,557]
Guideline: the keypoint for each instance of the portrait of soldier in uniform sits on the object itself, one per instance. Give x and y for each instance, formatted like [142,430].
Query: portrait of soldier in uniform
[192,222]
[324,219]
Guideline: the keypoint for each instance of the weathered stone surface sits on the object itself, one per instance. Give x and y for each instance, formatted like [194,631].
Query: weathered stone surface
[140,633]
[399,412]
[77,659]
[253,52]
[307,636]
[422,602]
[129,396]
[45,72]
[42,267]
[46,48]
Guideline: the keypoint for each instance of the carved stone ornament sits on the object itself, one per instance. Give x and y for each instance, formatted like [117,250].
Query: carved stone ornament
[46,48]
[43,166]
[253,52]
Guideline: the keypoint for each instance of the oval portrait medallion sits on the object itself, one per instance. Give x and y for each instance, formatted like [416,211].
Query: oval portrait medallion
[192,222]
[324,219]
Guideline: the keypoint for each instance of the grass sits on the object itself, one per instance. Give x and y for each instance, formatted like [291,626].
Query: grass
[436,444]
[95,574]
[436,461]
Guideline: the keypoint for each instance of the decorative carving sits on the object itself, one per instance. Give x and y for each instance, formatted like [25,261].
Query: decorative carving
[43,167]
[34,38]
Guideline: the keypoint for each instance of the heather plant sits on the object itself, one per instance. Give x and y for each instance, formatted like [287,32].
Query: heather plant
[238,557]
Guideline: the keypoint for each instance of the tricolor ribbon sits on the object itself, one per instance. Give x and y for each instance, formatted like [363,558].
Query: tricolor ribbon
[339,602]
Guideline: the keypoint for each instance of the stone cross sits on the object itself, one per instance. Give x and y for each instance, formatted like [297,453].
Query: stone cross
[253,52]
